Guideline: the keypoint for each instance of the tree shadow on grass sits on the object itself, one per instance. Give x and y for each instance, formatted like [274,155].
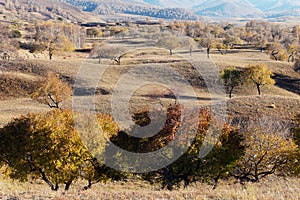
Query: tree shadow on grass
[288,83]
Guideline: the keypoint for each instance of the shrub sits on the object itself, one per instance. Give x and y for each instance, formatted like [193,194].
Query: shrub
[15,34]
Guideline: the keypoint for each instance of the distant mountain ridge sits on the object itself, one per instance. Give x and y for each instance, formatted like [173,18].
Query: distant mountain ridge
[190,9]
[233,8]
[228,8]
[135,7]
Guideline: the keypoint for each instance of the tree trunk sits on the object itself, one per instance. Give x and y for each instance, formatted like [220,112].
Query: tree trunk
[68,184]
[258,89]
[208,52]
[216,179]
[88,186]
[50,54]
[55,188]
[99,59]
[46,180]
[275,55]
[291,58]
[230,92]
[171,53]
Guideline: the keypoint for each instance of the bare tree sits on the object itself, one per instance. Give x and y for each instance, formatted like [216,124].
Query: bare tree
[189,43]
[8,44]
[169,42]
[108,51]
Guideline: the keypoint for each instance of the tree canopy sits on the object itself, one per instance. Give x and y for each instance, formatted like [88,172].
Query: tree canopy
[232,78]
[52,91]
[260,75]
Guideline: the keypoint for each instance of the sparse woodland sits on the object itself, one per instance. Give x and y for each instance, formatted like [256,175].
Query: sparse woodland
[46,146]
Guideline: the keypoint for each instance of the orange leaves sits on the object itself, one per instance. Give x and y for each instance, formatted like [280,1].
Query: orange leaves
[52,91]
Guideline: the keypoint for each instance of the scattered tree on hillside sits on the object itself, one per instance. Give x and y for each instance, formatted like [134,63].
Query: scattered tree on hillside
[52,91]
[108,51]
[50,36]
[276,51]
[222,48]
[232,78]
[169,42]
[207,43]
[292,50]
[8,45]
[15,34]
[49,147]
[93,32]
[190,168]
[296,32]
[45,147]
[188,43]
[266,153]
[260,75]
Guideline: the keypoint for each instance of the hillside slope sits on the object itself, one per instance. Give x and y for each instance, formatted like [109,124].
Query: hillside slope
[134,7]
[227,8]
[45,9]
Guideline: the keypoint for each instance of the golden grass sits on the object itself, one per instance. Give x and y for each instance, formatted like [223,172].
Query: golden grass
[272,188]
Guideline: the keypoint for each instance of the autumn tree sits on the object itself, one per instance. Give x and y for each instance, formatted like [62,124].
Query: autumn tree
[50,36]
[276,51]
[8,45]
[108,51]
[49,147]
[52,91]
[190,168]
[188,43]
[266,153]
[232,78]
[260,75]
[221,47]
[292,50]
[168,41]
[93,132]
[46,147]
[207,43]
[93,32]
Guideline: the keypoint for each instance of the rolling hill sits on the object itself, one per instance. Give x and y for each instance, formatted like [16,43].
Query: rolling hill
[228,8]
[188,4]
[133,7]
[233,8]
[45,9]
[93,10]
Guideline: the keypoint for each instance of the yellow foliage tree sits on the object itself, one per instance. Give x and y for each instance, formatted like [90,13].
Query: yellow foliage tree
[52,91]
[260,75]
[265,154]
[276,52]
[50,36]
[44,146]
[49,147]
